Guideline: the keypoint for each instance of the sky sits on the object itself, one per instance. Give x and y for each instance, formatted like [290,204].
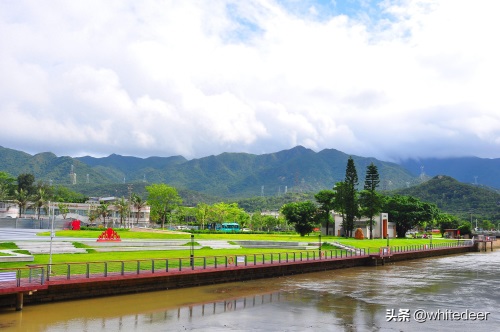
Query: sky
[390,79]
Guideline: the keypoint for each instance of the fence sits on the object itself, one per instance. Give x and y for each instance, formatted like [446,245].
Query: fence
[430,246]
[87,270]
[22,277]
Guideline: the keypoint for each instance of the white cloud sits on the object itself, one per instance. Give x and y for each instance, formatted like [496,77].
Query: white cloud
[158,77]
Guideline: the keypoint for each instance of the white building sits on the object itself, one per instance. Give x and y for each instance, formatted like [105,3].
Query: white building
[80,211]
[381,226]
[9,210]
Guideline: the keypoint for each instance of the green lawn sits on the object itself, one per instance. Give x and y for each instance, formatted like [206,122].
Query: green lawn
[373,245]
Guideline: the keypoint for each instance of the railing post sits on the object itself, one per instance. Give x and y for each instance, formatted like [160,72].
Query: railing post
[272,258]
[279,257]
[254,259]
[123,268]
[18,278]
[105,269]
[88,270]
[153,266]
[246,260]
[166,265]
[204,263]
[68,272]
[215,261]
[226,260]
[138,267]
[180,264]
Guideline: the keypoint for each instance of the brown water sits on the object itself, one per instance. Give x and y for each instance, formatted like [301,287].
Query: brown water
[357,299]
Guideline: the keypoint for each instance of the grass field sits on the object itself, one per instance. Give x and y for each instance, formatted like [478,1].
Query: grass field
[171,254]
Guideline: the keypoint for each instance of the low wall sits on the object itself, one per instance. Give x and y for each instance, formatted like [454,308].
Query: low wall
[28,223]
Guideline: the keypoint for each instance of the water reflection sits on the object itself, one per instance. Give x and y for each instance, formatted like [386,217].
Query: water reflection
[356,299]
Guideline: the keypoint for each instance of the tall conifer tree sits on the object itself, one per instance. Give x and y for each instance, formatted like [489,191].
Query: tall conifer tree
[370,200]
[350,197]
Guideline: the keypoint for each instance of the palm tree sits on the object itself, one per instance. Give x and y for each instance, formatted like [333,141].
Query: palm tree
[40,200]
[103,210]
[139,204]
[21,198]
[122,208]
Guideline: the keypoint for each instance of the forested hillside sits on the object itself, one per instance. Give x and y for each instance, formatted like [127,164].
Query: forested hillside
[464,200]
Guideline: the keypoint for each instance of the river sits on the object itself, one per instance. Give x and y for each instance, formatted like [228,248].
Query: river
[451,293]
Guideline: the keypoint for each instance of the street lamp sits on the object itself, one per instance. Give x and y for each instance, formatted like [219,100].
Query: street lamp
[319,247]
[51,236]
[191,254]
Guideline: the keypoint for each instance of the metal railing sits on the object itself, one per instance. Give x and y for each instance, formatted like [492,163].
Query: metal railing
[88,270]
[22,277]
[430,246]
[39,274]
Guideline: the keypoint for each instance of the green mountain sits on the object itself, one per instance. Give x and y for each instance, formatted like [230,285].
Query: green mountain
[463,200]
[466,169]
[228,175]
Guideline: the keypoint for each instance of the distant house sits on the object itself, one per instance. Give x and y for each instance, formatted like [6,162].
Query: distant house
[9,210]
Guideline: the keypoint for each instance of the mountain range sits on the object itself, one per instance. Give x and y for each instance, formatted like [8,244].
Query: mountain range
[240,175]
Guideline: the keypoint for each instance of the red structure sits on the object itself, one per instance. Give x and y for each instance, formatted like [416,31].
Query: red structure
[75,225]
[109,235]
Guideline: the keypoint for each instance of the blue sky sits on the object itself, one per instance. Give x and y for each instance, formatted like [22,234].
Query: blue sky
[391,79]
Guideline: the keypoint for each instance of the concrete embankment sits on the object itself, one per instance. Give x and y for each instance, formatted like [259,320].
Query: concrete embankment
[115,285]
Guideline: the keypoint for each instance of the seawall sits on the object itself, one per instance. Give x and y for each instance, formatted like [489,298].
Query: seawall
[117,285]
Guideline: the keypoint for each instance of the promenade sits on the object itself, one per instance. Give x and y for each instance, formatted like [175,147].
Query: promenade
[59,282]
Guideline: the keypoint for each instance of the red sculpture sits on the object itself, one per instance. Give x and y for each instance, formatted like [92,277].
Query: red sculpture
[109,235]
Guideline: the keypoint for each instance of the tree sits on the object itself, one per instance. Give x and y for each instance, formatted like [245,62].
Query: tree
[138,204]
[339,201]
[63,209]
[465,229]
[351,205]
[201,213]
[64,194]
[40,200]
[7,186]
[487,225]
[103,211]
[163,199]
[446,221]
[224,212]
[25,182]
[21,198]
[122,208]
[326,200]
[302,215]
[408,212]
[370,201]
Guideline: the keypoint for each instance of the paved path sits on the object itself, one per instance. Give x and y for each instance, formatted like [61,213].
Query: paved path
[44,247]
[217,244]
